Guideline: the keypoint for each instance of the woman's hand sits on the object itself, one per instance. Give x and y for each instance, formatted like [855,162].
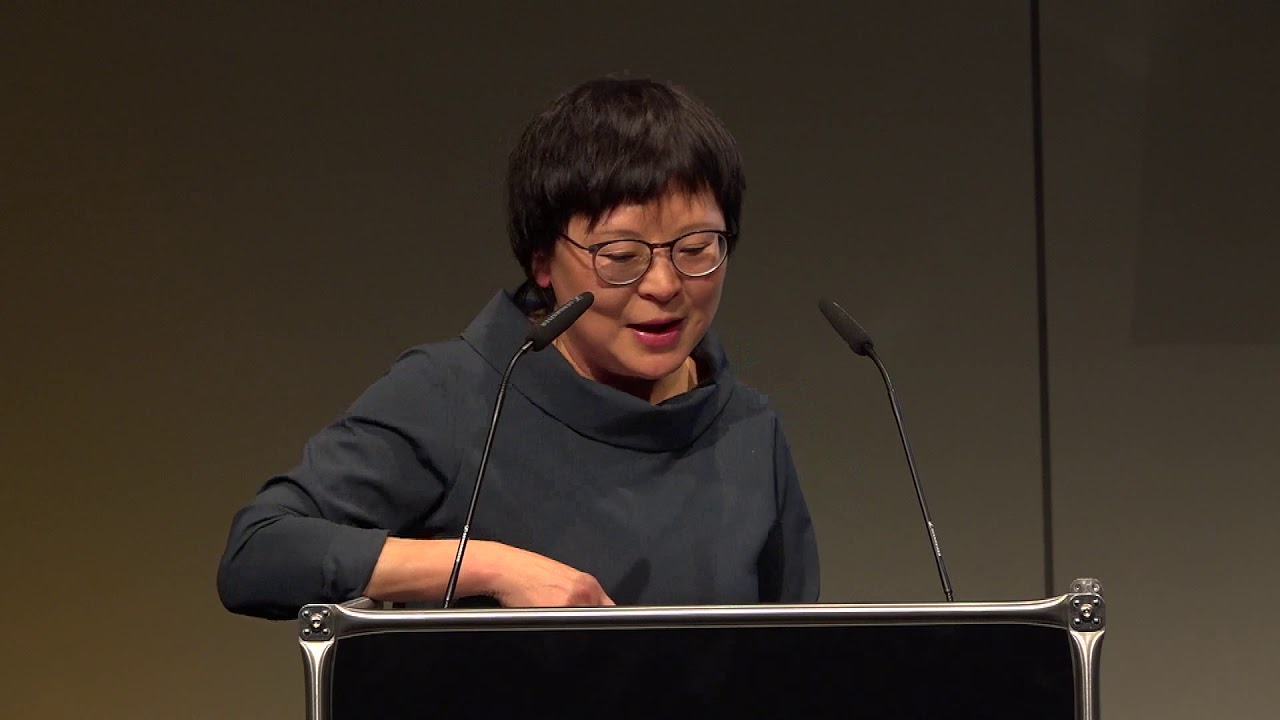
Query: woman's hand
[418,570]
[526,579]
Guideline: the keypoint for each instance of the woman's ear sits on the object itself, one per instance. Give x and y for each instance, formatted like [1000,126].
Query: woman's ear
[541,267]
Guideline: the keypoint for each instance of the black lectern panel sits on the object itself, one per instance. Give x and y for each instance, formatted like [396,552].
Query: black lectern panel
[993,671]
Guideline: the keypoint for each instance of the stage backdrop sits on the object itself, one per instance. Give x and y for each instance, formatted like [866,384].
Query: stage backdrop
[222,222]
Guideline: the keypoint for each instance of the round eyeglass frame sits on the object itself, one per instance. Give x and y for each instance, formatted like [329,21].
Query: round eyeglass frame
[723,235]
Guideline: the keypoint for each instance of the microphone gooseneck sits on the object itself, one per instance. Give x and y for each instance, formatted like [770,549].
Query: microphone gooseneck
[860,342]
[539,337]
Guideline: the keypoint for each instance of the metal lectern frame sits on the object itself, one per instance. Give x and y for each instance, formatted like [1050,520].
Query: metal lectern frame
[1081,612]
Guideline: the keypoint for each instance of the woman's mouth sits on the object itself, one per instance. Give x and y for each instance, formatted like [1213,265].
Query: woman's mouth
[659,333]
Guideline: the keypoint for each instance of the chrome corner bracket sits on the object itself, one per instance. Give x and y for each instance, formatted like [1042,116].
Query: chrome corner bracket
[315,623]
[1088,610]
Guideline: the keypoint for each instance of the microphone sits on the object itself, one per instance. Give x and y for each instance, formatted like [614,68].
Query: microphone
[539,337]
[542,333]
[860,342]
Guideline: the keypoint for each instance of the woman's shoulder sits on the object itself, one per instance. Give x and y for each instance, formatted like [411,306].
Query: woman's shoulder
[438,360]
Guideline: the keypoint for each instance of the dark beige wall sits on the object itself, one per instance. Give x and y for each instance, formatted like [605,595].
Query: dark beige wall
[220,224]
[1162,166]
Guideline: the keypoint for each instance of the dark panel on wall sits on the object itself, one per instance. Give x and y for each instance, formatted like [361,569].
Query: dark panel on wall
[1209,243]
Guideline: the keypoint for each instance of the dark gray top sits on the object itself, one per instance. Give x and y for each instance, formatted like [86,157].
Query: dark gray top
[692,501]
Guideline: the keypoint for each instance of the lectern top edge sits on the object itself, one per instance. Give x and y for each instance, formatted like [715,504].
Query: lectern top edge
[1080,612]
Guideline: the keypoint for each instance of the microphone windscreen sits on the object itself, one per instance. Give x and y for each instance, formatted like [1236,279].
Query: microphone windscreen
[542,333]
[848,328]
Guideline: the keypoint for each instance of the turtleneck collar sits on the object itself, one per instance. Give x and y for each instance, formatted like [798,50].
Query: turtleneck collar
[594,409]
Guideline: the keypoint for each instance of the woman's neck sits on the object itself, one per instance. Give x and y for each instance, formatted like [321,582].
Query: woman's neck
[683,379]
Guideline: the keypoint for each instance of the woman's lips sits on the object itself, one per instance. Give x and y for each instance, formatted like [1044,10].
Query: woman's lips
[660,334]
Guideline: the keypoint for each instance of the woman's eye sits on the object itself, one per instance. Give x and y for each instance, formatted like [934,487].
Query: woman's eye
[619,257]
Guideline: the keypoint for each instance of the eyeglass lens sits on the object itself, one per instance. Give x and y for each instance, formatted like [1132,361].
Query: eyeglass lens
[624,261]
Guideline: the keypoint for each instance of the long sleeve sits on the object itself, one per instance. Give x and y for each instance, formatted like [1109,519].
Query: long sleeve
[314,534]
[788,566]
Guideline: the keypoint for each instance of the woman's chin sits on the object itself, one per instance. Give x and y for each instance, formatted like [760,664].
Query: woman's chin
[653,369]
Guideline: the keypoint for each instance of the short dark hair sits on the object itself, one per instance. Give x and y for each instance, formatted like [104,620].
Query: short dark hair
[614,141]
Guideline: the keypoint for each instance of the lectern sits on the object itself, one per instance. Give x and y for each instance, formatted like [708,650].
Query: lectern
[1025,659]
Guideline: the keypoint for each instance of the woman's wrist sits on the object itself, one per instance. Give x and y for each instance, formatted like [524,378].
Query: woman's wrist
[419,570]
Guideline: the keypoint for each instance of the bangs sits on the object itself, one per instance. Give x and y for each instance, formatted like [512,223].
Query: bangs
[640,154]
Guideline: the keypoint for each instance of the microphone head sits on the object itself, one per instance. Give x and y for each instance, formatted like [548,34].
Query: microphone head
[541,334]
[848,328]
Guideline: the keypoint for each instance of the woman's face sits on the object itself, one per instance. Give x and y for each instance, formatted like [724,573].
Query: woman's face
[634,335]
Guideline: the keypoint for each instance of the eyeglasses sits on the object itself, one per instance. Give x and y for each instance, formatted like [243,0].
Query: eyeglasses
[622,262]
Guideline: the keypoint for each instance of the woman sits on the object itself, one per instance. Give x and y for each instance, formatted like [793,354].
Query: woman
[629,466]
